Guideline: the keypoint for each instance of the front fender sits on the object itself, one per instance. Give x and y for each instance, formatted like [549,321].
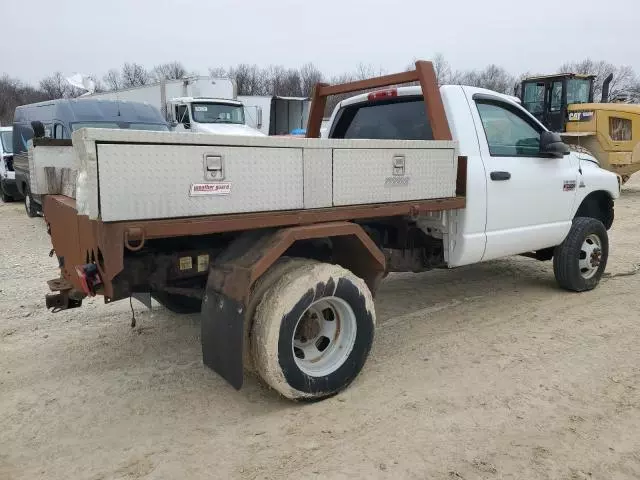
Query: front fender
[595,179]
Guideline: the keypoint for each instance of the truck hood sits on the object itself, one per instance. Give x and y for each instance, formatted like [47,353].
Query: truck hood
[229,129]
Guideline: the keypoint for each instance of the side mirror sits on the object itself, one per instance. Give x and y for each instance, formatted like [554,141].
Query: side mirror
[551,145]
[38,129]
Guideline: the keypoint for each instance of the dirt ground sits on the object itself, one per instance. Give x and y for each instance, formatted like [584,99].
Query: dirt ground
[484,372]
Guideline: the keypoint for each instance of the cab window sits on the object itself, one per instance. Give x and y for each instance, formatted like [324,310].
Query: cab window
[534,97]
[556,97]
[508,133]
[404,118]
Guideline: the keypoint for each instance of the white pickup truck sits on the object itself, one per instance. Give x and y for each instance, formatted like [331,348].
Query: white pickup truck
[281,243]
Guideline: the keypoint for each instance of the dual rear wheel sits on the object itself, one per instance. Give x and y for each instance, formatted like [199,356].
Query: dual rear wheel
[313,327]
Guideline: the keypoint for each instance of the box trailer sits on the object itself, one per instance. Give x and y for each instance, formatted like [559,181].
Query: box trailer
[276,115]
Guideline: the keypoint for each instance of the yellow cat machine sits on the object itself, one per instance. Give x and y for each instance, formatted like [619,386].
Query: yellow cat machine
[609,131]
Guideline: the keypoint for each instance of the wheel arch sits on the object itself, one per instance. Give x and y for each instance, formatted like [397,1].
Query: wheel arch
[598,205]
[225,322]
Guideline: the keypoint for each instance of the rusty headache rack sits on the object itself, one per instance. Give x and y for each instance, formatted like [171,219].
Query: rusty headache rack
[424,74]
[92,249]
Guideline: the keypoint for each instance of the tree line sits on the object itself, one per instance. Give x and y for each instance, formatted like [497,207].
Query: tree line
[252,79]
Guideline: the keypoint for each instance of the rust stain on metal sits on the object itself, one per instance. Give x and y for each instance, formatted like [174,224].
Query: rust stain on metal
[236,277]
[461,178]
[78,240]
[177,227]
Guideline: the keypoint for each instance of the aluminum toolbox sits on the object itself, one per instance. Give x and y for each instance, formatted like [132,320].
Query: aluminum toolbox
[136,175]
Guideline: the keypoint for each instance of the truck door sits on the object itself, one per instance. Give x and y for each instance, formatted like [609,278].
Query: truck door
[529,197]
[555,106]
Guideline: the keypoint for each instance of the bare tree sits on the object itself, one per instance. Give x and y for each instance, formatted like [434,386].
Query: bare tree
[491,77]
[13,93]
[218,72]
[309,77]
[56,86]
[113,80]
[134,75]
[291,83]
[367,70]
[442,69]
[624,78]
[250,79]
[169,71]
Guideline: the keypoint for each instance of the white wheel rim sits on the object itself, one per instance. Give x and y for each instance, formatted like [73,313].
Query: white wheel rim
[324,336]
[27,203]
[590,256]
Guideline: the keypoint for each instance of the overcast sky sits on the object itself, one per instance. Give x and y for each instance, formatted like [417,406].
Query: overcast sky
[41,37]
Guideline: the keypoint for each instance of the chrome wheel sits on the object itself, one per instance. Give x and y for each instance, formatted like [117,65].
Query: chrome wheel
[590,256]
[324,336]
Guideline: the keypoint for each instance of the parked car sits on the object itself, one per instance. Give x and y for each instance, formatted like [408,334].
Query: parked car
[57,119]
[8,190]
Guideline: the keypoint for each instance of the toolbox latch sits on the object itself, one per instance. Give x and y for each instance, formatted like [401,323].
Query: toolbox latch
[213,167]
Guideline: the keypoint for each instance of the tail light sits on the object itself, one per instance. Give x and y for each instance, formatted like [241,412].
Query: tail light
[89,278]
[382,94]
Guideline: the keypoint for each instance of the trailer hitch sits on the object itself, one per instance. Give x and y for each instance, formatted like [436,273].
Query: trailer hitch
[61,301]
[64,296]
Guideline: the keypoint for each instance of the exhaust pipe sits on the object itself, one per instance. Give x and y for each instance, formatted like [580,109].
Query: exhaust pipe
[605,88]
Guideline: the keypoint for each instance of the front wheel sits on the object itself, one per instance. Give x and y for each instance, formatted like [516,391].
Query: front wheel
[579,261]
[312,331]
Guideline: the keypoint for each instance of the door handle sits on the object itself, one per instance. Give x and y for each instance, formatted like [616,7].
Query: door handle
[498,176]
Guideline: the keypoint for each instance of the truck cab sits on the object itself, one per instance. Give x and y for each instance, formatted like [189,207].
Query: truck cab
[209,115]
[519,197]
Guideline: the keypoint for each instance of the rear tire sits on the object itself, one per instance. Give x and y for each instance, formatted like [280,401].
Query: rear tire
[580,261]
[178,303]
[313,330]
[29,204]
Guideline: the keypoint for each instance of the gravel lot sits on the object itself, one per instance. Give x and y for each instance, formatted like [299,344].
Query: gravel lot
[484,372]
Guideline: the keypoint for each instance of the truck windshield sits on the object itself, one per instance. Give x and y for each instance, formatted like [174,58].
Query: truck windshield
[404,118]
[578,90]
[130,126]
[6,138]
[217,113]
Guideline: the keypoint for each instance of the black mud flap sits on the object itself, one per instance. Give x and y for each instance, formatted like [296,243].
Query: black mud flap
[222,336]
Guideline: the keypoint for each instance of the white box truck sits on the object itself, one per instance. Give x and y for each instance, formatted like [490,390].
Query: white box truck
[195,104]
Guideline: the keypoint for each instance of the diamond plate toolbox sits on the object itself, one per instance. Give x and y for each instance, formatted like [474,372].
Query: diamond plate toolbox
[380,175]
[137,175]
[168,181]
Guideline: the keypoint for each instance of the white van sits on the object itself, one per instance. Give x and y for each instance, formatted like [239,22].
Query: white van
[8,189]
